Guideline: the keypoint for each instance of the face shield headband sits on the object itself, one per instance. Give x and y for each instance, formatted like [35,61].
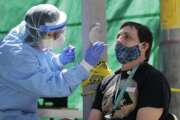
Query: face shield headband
[52,27]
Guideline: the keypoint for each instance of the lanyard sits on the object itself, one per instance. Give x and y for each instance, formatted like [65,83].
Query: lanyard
[119,96]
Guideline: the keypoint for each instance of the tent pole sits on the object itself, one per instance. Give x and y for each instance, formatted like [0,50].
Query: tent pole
[170,47]
[93,29]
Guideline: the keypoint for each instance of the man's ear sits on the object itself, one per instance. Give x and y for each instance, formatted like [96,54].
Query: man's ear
[144,46]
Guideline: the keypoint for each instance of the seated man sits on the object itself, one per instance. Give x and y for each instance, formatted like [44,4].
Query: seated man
[137,91]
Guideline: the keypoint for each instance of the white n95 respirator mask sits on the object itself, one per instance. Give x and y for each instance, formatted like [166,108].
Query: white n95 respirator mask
[51,43]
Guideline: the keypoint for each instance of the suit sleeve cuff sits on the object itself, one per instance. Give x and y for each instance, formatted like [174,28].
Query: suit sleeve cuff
[58,60]
[87,66]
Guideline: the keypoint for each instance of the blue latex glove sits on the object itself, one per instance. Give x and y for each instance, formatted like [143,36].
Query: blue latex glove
[94,53]
[67,55]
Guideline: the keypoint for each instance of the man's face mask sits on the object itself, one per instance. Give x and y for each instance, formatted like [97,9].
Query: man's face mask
[51,43]
[126,54]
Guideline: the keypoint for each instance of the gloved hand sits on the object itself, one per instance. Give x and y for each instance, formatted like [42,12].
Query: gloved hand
[67,55]
[94,53]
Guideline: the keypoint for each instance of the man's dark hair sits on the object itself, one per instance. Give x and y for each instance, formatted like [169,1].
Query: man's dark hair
[144,34]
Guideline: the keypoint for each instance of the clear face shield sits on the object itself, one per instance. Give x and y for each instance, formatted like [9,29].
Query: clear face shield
[56,28]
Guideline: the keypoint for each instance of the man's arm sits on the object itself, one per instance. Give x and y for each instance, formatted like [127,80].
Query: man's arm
[149,113]
[95,114]
[154,98]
